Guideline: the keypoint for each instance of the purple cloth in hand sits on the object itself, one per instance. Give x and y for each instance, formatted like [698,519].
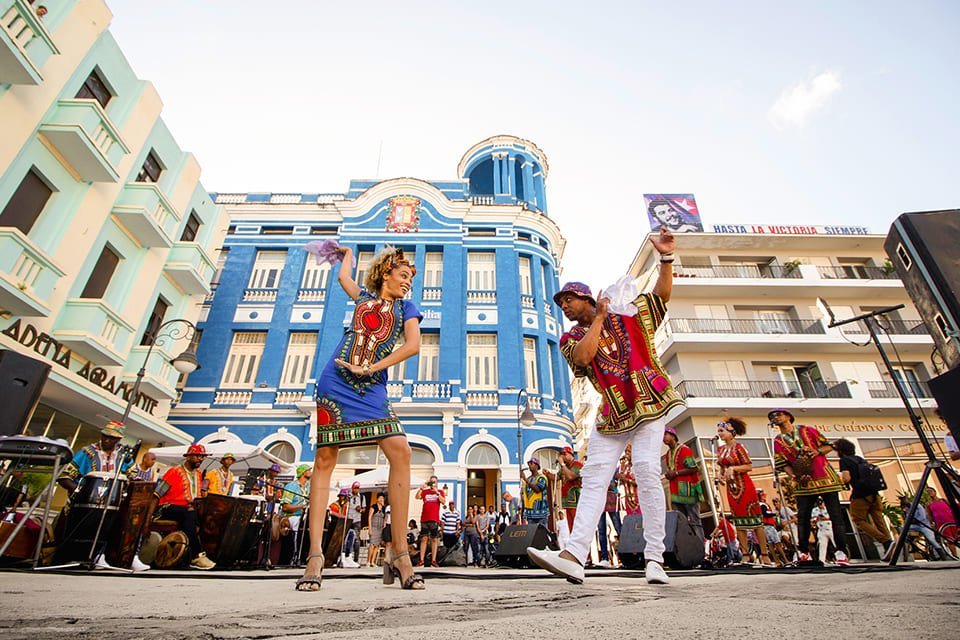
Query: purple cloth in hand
[326,251]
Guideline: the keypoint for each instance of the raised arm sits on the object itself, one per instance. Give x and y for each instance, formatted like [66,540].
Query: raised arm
[345,275]
[664,244]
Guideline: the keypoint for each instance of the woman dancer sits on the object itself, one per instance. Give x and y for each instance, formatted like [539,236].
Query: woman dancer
[735,466]
[352,404]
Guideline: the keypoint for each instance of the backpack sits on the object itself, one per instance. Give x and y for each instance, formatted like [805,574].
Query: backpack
[869,477]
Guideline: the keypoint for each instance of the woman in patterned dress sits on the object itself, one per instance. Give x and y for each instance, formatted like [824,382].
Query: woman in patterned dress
[352,405]
[735,467]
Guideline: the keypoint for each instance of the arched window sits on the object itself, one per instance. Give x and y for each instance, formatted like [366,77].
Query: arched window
[421,457]
[283,450]
[483,455]
[547,457]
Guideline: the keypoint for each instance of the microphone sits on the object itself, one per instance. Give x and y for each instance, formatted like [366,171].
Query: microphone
[714,439]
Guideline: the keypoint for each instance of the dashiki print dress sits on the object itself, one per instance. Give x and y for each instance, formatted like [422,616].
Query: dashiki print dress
[353,408]
[741,492]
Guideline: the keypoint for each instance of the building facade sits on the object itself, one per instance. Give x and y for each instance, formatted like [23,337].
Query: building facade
[105,229]
[487,256]
[747,332]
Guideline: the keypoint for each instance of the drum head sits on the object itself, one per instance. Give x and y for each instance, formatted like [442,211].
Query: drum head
[171,550]
[148,550]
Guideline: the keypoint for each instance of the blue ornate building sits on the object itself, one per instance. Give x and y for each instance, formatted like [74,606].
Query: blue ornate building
[487,257]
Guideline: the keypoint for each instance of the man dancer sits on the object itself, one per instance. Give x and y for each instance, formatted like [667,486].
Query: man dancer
[615,353]
[801,451]
[683,472]
[571,485]
[533,488]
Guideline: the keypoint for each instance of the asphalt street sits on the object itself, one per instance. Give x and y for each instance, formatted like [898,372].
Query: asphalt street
[917,601]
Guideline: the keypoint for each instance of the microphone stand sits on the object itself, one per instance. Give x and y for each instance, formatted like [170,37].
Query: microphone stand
[774,432]
[946,474]
[718,497]
[123,453]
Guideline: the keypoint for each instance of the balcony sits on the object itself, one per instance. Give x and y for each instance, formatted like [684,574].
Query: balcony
[887,389]
[526,301]
[762,389]
[147,214]
[480,296]
[259,295]
[24,45]
[750,326]
[238,398]
[288,398]
[85,140]
[160,378]
[304,295]
[767,272]
[190,267]
[425,391]
[432,294]
[892,327]
[483,399]
[27,276]
[856,272]
[94,330]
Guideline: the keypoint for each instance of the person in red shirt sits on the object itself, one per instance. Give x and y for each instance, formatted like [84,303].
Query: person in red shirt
[570,486]
[175,493]
[430,518]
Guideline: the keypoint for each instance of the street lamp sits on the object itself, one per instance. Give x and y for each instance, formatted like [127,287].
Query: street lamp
[524,419]
[186,362]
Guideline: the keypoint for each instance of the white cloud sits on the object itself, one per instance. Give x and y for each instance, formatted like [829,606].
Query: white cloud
[796,104]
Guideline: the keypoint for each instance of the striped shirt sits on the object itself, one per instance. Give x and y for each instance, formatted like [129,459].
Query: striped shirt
[450,520]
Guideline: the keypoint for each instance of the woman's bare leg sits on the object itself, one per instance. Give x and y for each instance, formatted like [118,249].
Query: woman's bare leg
[397,451]
[323,465]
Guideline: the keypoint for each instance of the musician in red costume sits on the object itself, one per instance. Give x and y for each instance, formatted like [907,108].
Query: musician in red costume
[175,493]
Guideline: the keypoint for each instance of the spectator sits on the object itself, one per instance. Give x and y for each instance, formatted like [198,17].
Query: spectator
[493,536]
[486,520]
[536,509]
[922,525]
[430,519]
[513,507]
[820,519]
[788,521]
[504,519]
[865,501]
[451,526]
[612,510]
[377,521]
[940,515]
[471,537]
[769,518]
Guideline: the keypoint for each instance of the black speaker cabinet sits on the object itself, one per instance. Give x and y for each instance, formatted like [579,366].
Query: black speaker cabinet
[924,248]
[21,381]
[512,551]
[946,390]
[683,547]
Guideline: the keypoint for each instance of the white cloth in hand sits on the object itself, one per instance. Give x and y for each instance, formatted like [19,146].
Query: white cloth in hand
[621,295]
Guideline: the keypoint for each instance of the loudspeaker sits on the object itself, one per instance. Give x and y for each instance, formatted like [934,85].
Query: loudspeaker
[946,390]
[683,547]
[512,551]
[21,381]
[925,252]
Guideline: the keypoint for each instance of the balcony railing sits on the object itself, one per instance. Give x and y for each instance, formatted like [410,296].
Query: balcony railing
[762,389]
[737,271]
[526,301]
[479,296]
[190,267]
[483,398]
[288,397]
[752,326]
[85,139]
[25,45]
[305,295]
[481,199]
[432,390]
[856,272]
[94,330]
[27,276]
[233,397]
[259,295]
[432,293]
[888,389]
[893,327]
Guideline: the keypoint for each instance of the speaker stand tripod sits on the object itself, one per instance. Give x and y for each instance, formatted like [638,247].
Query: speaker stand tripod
[948,477]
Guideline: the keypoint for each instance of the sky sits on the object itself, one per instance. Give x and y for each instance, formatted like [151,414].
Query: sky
[832,113]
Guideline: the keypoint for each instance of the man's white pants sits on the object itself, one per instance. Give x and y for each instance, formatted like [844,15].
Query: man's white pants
[823,537]
[603,457]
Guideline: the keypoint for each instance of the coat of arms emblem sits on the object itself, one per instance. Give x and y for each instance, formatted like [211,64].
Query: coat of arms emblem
[403,215]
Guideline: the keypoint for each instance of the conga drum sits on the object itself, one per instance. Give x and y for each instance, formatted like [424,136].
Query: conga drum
[333,535]
[125,538]
[171,550]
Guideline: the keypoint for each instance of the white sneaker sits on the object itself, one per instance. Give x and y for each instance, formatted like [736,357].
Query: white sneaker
[552,562]
[841,558]
[101,562]
[604,564]
[348,563]
[656,574]
[138,566]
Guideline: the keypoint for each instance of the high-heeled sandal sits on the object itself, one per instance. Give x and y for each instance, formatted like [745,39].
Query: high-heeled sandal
[390,572]
[311,578]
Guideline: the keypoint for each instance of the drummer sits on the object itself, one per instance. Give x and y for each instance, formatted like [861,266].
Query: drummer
[220,480]
[176,492]
[99,456]
[295,500]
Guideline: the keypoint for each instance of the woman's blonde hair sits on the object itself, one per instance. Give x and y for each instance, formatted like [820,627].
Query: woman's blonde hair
[381,265]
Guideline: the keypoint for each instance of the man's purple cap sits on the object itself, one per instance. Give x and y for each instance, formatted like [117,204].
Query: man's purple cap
[671,431]
[576,288]
[275,468]
[535,461]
